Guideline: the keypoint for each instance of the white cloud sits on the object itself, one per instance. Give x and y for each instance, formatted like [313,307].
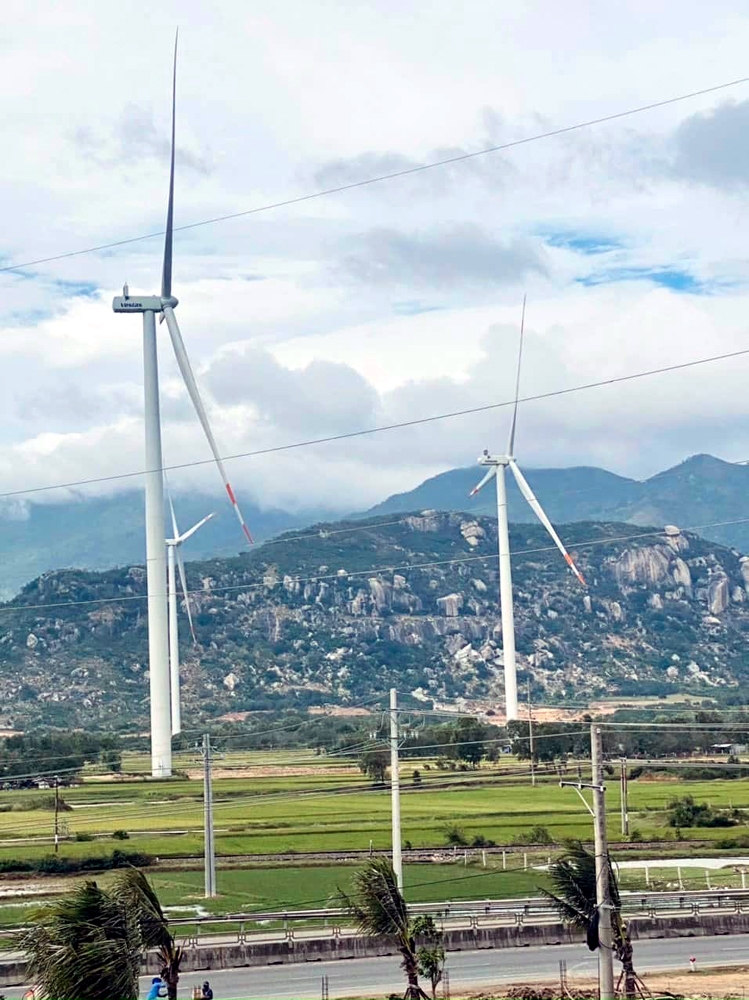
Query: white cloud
[394,301]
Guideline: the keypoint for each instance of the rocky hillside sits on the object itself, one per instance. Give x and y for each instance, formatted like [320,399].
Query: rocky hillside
[341,613]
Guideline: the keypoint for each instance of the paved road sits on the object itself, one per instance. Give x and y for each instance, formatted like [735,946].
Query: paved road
[376,977]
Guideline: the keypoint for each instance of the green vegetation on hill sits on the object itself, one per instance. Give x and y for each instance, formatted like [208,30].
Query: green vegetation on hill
[341,615]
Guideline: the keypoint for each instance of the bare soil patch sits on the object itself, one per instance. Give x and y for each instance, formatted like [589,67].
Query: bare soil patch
[273,771]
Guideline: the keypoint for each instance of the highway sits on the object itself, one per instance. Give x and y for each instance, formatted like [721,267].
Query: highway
[376,977]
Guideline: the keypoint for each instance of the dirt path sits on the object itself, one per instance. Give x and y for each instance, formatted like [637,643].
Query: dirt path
[712,984]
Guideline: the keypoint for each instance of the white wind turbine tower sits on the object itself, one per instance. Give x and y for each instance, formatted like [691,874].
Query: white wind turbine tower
[150,306]
[174,555]
[496,468]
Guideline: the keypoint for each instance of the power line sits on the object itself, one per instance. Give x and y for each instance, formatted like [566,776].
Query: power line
[407,567]
[400,425]
[392,175]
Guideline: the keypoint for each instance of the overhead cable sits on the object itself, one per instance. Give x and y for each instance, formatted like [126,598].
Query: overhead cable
[392,175]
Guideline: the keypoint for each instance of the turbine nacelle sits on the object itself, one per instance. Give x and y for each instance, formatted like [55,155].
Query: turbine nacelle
[142,303]
[486,459]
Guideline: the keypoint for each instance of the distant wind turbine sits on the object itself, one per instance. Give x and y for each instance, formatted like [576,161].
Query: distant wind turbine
[173,546]
[496,465]
[149,306]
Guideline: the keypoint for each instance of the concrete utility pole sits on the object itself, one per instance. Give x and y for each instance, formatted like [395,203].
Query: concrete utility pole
[210,857]
[395,791]
[603,877]
[624,793]
[530,735]
[57,814]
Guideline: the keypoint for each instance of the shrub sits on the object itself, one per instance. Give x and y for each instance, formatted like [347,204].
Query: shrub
[53,864]
[31,803]
[83,837]
[120,835]
[454,836]
[481,841]
[537,835]
[686,812]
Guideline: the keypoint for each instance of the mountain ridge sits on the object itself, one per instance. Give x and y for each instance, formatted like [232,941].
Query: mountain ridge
[702,493]
[103,532]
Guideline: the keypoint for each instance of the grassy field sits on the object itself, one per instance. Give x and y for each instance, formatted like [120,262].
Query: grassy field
[278,888]
[313,887]
[294,803]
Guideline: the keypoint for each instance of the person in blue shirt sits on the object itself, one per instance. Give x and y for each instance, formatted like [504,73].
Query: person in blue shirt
[158,989]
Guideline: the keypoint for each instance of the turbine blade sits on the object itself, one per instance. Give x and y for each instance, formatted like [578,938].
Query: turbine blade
[191,531]
[491,472]
[511,445]
[539,512]
[166,274]
[175,529]
[192,387]
[183,584]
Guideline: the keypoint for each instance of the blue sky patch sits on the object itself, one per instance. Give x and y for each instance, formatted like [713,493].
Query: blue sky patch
[667,277]
[413,308]
[586,243]
[80,289]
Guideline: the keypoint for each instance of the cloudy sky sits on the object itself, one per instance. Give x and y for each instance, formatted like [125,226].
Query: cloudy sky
[393,301]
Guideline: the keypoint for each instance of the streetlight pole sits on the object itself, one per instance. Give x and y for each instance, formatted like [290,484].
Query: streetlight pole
[623,798]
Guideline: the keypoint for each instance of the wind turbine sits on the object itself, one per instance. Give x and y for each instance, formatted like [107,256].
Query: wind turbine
[150,306]
[173,545]
[496,466]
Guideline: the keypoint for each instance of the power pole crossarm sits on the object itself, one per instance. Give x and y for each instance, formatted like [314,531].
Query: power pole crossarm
[603,877]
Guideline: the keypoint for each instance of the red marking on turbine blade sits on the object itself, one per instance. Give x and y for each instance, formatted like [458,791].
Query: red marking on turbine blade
[246,530]
[574,569]
[230,491]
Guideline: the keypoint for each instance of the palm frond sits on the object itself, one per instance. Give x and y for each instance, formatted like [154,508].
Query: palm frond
[573,878]
[131,888]
[376,904]
[84,946]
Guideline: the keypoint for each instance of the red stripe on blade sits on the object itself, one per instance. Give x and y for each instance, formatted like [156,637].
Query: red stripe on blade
[246,530]
[230,491]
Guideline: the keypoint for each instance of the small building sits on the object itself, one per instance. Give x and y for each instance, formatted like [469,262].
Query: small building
[729,749]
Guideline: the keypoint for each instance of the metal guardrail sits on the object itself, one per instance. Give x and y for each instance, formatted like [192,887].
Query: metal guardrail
[471,913]
[242,927]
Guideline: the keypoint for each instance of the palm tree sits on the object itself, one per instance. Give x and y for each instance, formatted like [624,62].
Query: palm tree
[379,910]
[133,890]
[85,946]
[573,876]
[89,944]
